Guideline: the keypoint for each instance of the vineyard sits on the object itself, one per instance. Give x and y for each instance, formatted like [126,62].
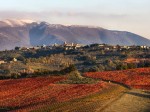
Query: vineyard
[33,93]
[136,78]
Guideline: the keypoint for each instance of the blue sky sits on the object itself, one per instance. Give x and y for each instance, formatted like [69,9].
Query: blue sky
[90,5]
[129,15]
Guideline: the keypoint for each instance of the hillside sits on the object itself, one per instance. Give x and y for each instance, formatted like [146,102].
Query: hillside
[33,93]
[29,33]
[134,78]
[48,94]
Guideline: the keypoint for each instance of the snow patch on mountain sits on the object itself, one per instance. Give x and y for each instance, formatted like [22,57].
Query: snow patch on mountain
[16,22]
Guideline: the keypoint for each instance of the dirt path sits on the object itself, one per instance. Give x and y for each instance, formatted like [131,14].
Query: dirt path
[131,101]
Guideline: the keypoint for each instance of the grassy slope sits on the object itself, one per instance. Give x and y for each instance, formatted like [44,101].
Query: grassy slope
[132,101]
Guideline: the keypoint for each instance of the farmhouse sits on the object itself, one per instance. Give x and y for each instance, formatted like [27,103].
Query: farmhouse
[2,61]
[71,46]
[13,60]
[144,47]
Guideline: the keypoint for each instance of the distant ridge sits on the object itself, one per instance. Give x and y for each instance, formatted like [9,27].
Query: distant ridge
[30,33]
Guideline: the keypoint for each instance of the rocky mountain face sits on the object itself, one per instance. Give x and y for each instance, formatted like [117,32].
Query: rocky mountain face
[29,33]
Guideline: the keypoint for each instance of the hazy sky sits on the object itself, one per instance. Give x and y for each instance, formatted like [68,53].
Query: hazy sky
[126,15]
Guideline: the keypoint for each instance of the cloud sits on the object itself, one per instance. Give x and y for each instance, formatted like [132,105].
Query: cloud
[17,15]
[39,15]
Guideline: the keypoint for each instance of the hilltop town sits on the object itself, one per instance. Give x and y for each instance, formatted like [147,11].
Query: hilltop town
[73,46]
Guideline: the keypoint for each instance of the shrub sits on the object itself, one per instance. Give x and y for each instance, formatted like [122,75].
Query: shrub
[74,75]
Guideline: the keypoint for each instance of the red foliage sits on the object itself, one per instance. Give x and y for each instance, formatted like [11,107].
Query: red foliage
[137,78]
[30,92]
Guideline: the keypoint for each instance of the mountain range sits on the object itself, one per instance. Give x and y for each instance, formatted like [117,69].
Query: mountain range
[31,33]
